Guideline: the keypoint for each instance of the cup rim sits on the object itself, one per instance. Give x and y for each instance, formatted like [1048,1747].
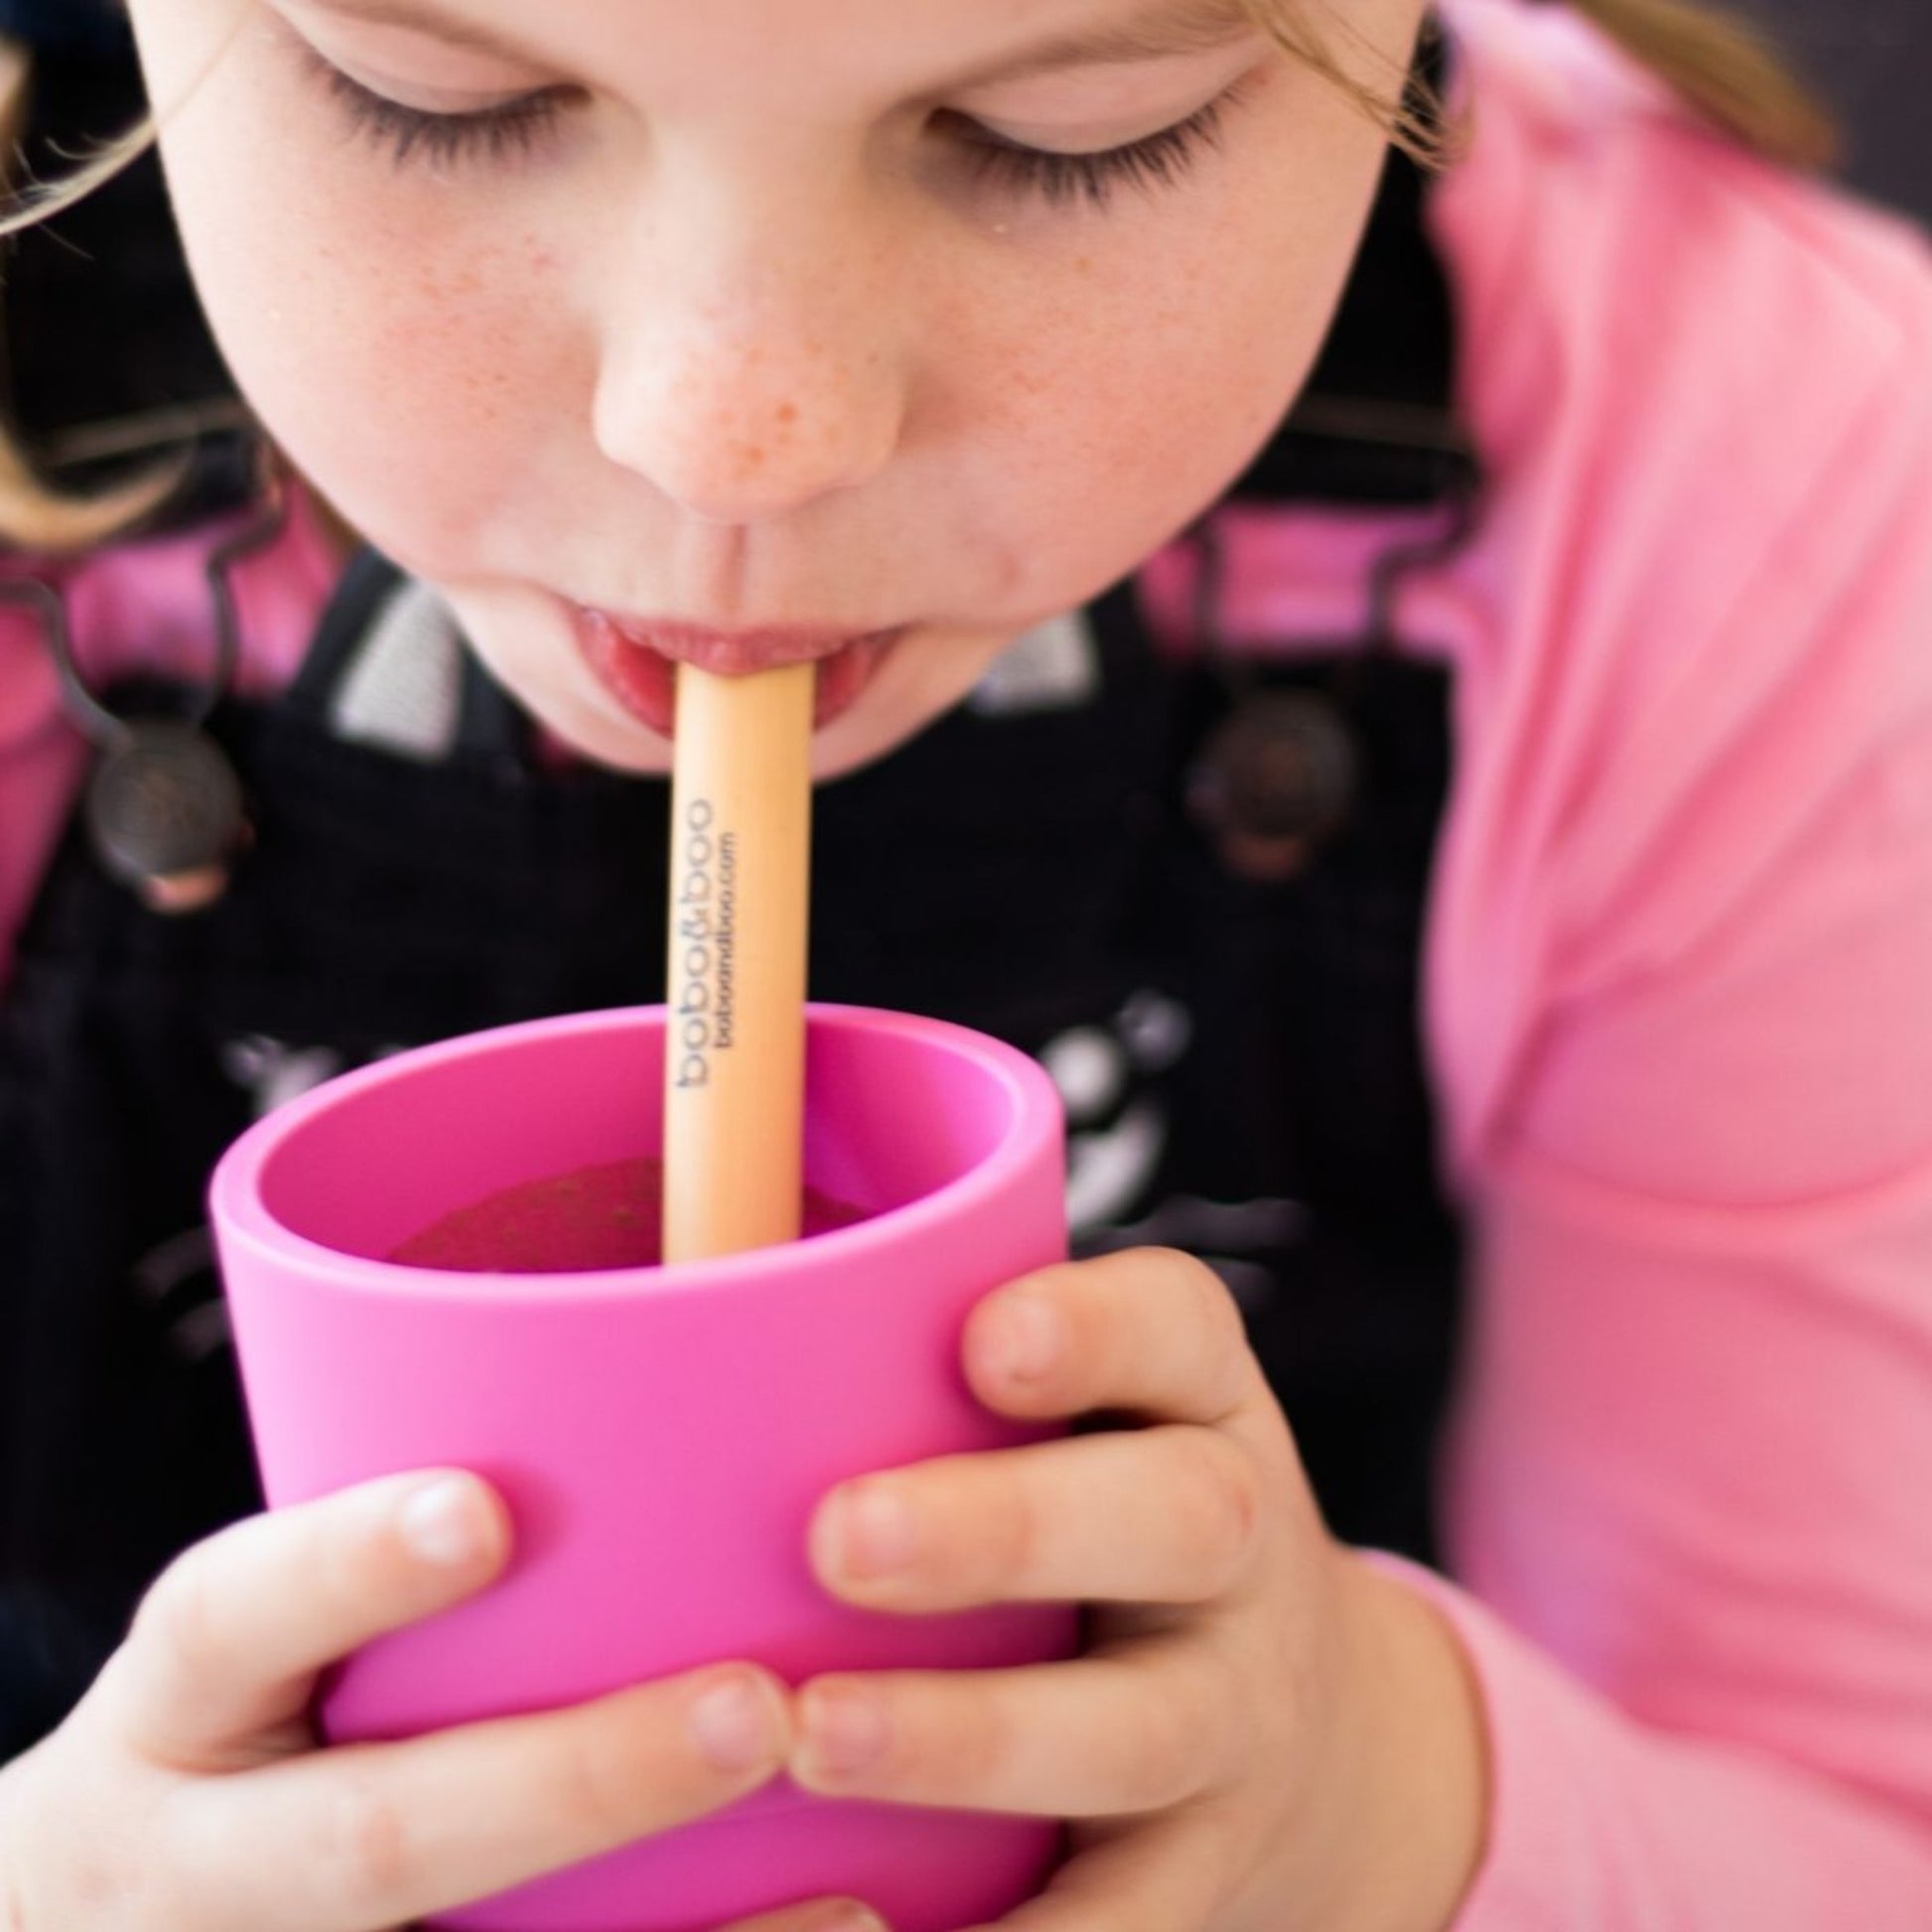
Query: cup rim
[242,1219]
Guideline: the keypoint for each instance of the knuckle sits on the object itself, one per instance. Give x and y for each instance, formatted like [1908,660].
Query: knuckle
[1214,1309]
[1164,1768]
[364,1845]
[1225,1514]
[98,1893]
[1096,1301]
[1217,1319]
[979,1745]
[98,1888]
[180,1620]
[612,1770]
[1237,1736]
[175,1887]
[90,1844]
[345,1569]
[1016,1537]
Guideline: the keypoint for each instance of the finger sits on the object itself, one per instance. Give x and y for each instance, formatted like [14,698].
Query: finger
[338,1840]
[228,1643]
[1164,1515]
[1151,1332]
[1143,1727]
[1167,1877]
[824,1915]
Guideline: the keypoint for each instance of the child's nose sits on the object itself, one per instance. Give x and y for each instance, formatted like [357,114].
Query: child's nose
[755,397]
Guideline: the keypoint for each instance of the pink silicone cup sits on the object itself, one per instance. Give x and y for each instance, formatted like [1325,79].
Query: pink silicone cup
[661,1434]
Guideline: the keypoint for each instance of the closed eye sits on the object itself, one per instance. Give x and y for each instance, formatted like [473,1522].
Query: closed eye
[511,130]
[1153,162]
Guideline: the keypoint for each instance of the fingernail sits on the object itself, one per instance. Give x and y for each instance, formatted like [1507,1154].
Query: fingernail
[844,1732]
[443,1523]
[873,1531]
[734,1727]
[1028,1339]
[848,1918]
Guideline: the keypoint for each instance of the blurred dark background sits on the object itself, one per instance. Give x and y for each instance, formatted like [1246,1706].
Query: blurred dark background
[1872,61]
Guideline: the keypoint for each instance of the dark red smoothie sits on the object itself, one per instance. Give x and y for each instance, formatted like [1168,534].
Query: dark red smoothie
[609,1216]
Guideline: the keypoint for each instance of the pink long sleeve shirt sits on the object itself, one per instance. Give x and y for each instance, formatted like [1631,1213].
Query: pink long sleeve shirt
[1679,982]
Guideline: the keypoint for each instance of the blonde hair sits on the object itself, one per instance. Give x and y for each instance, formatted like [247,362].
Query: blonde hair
[1728,72]
[1720,67]
[36,517]
[1723,68]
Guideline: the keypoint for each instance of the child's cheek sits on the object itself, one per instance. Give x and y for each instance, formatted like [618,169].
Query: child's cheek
[1120,404]
[393,338]
[419,390]
[464,388]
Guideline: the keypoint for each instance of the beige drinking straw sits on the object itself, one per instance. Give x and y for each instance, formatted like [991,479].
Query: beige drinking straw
[734,1039]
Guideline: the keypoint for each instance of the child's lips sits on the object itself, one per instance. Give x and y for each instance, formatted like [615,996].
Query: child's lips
[637,659]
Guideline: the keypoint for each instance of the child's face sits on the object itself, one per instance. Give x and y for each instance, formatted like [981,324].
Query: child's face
[765,320]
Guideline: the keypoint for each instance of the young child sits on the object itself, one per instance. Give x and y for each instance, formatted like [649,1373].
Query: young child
[1548,649]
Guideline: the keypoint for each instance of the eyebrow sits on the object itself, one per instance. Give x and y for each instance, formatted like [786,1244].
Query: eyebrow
[1160,33]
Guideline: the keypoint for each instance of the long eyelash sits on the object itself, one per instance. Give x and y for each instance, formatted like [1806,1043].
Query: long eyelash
[513,129]
[410,133]
[1158,161]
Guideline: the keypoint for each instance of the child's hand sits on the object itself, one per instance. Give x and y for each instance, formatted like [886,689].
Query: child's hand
[186,1793]
[1266,1733]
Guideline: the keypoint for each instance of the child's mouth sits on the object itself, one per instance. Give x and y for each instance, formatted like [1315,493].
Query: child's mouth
[635,659]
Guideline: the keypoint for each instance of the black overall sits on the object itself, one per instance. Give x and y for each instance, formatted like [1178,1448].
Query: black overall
[1245,1053]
